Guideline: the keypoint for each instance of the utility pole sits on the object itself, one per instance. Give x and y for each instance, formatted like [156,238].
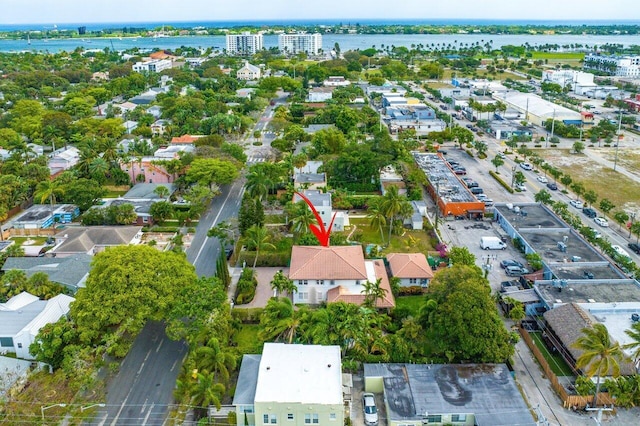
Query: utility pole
[598,419]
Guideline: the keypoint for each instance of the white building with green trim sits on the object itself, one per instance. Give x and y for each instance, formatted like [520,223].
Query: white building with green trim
[292,385]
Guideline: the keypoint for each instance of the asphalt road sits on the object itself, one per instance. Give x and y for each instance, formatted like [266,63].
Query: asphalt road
[143,389]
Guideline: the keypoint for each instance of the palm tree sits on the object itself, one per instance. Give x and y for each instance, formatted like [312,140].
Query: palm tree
[281,284]
[213,358]
[376,215]
[600,356]
[280,321]
[392,205]
[258,237]
[372,292]
[300,216]
[634,333]
[48,190]
[257,184]
[161,191]
[99,168]
[206,392]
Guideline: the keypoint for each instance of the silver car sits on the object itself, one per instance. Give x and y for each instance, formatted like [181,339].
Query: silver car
[370,410]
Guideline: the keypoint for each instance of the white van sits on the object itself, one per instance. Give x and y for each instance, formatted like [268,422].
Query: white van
[492,243]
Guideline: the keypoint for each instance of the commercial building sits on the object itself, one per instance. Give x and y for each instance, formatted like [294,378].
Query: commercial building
[452,197]
[290,384]
[244,44]
[152,66]
[443,394]
[291,44]
[568,78]
[537,110]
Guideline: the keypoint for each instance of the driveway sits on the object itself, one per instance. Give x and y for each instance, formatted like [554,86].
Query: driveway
[263,291]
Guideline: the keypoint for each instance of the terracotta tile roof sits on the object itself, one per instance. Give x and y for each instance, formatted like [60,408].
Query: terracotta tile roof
[409,265]
[327,263]
[185,139]
[340,293]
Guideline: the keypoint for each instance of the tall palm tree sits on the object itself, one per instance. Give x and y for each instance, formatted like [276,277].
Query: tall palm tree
[280,321]
[258,237]
[377,216]
[281,284]
[601,356]
[257,184]
[392,205]
[48,190]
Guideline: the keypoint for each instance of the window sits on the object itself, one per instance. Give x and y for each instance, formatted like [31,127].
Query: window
[357,282]
[303,282]
[315,419]
[303,296]
[19,345]
[424,282]
[273,419]
[319,282]
[332,282]
[290,416]
[307,419]
[413,280]
[248,410]
[332,416]
[265,419]
[459,418]
[6,342]
[434,418]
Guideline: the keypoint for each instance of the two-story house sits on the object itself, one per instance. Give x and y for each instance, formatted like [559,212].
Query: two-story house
[321,201]
[333,274]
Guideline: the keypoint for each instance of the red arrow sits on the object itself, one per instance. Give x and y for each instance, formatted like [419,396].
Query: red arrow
[318,230]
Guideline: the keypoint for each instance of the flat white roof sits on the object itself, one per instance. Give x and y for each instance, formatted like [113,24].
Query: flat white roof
[307,374]
[536,105]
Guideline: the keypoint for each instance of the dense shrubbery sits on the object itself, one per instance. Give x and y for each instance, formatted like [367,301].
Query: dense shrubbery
[246,288]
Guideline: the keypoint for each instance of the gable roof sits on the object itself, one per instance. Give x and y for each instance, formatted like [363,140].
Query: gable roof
[327,263]
[248,67]
[185,139]
[341,294]
[409,265]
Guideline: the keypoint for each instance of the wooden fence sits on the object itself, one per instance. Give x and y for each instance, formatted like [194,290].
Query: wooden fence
[568,401]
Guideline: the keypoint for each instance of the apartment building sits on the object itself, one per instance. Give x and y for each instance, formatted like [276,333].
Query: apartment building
[244,44]
[310,44]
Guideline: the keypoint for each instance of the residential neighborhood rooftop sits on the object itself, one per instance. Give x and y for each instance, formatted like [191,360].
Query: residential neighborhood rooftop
[310,262]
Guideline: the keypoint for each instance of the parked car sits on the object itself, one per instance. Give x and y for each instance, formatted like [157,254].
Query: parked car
[459,171]
[589,212]
[520,187]
[601,221]
[634,247]
[596,234]
[472,184]
[542,179]
[488,202]
[466,179]
[552,186]
[510,262]
[481,197]
[515,271]
[501,155]
[477,190]
[370,410]
[526,166]
[577,204]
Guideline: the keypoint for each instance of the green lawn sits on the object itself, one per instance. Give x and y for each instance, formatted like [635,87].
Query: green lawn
[247,339]
[557,364]
[409,242]
[36,241]
[115,194]
[413,303]
[557,55]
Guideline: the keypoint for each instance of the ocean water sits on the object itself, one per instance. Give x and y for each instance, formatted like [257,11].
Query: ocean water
[346,41]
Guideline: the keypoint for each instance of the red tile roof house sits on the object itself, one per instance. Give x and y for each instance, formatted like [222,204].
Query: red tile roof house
[185,139]
[336,274]
[411,268]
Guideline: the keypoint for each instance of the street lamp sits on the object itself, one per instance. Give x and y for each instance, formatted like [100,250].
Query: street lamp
[43,408]
[92,405]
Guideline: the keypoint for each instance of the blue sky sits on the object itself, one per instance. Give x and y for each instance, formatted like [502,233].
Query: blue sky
[87,11]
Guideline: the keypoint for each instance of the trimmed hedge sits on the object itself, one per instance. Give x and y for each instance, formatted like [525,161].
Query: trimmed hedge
[247,315]
[410,291]
[246,289]
[501,182]
[266,259]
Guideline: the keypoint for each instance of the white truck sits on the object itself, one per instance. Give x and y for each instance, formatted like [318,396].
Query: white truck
[492,243]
